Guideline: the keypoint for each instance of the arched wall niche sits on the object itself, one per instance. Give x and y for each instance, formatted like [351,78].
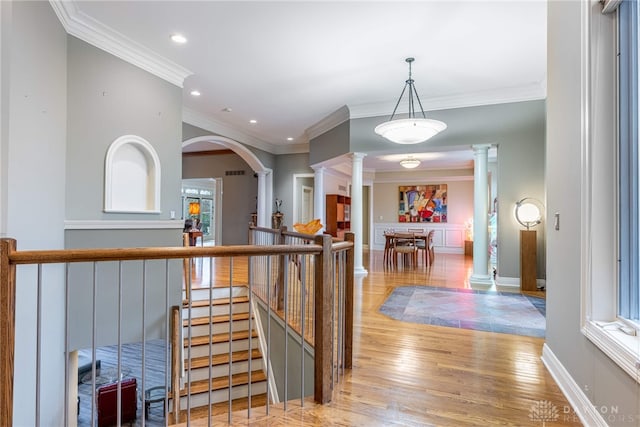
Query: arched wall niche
[132,176]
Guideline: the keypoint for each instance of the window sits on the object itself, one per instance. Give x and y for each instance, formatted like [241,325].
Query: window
[610,253]
[628,232]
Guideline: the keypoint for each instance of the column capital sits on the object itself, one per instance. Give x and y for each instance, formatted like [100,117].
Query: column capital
[358,156]
[478,148]
[262,173]
[318,169]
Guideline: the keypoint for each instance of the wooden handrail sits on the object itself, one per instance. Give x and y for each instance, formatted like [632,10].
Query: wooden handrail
[129,254]
[7,330]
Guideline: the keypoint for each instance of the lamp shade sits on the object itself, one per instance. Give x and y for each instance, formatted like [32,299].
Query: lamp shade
[194,208]
[410,131]
[528,212]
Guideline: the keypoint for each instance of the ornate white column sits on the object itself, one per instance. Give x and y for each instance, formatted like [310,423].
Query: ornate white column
[263,211]
[356,210]
[480,276]
[319,200]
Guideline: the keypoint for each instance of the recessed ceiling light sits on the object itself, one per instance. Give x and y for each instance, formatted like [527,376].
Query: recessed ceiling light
[253,121]
[179,38]
[289,139]
[195,93]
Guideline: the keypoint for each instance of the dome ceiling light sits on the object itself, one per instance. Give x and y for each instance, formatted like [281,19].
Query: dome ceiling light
[410,162]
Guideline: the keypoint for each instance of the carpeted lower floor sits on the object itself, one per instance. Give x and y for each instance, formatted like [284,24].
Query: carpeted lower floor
[502,312]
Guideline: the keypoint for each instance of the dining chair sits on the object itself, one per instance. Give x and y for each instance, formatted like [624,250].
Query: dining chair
[429,245]
[404,244]
[421,242]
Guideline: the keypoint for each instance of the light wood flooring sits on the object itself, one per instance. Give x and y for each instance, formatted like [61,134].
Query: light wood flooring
[407,374]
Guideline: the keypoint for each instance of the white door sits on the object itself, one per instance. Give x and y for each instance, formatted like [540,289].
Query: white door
[306,207]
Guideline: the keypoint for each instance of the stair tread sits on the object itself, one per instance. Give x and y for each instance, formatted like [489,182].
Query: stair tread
[223,318]
[219,338]
[220,408]
[218,301]
[223,359]
[220,383]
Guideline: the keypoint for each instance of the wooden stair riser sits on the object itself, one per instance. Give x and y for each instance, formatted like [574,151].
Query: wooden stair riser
[202,399]
[216,310]
[216,293]
[216,328]
[222,370]
[223,347]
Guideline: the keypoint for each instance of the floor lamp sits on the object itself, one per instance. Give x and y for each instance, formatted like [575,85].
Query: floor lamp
[528,213]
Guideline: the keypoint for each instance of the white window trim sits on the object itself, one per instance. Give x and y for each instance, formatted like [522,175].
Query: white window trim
[599,278]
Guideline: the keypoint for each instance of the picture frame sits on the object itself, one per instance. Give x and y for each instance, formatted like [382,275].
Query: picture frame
[423,203]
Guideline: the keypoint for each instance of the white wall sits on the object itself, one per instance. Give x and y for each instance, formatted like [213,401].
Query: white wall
[35,97]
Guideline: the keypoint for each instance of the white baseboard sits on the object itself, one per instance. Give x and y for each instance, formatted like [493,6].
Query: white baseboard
[579,401]
[514,282]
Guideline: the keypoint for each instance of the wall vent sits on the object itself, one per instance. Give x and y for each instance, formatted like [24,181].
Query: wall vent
[342,188]
[229,173]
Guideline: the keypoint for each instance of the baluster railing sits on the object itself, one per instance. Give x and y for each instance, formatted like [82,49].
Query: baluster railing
[296,280]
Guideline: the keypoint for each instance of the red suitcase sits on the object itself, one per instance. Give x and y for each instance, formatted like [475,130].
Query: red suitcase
[107,402]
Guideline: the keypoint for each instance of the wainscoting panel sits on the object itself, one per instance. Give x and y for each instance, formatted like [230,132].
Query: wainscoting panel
[447,238]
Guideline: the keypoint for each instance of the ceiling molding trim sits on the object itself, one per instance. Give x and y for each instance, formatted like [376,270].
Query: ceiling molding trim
[292,148]
[84,27]
[198,119]
[426,179]
[334,119]
[531,92]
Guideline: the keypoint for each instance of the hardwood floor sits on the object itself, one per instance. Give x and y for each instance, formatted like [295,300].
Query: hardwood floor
[421,375]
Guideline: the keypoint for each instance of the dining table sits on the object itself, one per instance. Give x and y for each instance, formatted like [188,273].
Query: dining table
[391,236]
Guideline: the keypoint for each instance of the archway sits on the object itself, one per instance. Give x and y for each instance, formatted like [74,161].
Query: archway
[265,175]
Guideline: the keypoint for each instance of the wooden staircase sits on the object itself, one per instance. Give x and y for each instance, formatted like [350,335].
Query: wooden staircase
[212,327]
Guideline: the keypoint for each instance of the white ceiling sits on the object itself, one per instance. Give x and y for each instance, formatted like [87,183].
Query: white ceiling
[290,64]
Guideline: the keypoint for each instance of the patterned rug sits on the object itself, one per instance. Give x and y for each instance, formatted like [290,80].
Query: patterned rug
[502,312]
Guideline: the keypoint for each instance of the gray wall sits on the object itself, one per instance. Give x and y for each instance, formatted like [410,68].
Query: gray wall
[294,358]
[109,98]
[239,192]
[521,173]
[157,285]
[330,144]
[33,145]
[604,383]
[286,165]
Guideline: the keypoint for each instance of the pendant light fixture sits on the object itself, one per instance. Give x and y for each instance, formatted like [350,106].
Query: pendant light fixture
[413,129]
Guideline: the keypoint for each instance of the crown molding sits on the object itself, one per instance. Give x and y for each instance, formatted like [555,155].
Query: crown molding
[475,99]
[334,119]
[292,148]
[84,27]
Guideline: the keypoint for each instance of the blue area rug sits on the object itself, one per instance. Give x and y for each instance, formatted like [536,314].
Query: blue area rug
[502,312]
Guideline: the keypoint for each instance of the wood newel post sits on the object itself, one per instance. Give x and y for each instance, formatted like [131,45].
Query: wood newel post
[348,303]
[323,309]
[281,278]
[176,352]
[7,330]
